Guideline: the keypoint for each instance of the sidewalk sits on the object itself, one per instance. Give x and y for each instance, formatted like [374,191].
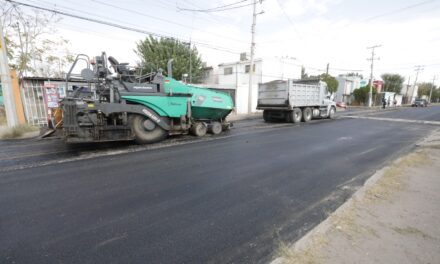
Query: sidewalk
[394,218]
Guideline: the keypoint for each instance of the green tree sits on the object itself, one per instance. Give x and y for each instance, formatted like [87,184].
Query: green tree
[332,83]
[355,74]
[392,82]
[424,89]
[435,98]
[155,53]
[31,44]
[361,94]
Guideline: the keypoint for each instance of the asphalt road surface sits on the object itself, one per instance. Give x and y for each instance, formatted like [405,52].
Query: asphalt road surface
[226,199]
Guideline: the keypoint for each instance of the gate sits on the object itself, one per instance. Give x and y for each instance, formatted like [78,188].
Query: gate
[33,103]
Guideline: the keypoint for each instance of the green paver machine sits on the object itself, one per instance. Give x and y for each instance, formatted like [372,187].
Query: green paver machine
[127,105]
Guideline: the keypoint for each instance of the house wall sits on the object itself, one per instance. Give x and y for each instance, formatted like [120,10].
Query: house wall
[234,76]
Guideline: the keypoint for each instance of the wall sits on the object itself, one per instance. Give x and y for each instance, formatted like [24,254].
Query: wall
[238,79]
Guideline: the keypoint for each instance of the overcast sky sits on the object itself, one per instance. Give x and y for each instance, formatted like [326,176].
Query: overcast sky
[310,32]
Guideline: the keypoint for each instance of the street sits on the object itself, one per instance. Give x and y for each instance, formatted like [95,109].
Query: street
[221,199]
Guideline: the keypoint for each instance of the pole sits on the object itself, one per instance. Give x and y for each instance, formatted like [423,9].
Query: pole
[254,20]
[326,71]
[190,62]
[418,69]
[432,86]
[370,94]
[407,89]
[6,81]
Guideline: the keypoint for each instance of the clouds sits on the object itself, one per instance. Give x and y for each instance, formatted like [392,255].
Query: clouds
[316,32]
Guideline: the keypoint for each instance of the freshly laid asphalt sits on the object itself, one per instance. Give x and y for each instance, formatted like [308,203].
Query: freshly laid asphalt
[231,199]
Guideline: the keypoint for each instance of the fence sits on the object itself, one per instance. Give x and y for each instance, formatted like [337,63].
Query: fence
[33,103]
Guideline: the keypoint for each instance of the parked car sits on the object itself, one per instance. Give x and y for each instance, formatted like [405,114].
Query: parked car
[420,102]
[341,104]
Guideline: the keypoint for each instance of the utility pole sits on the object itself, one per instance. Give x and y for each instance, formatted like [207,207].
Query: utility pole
[190,61]
[251,67]
[370,94]
[418,69]
[432,87]
[5,77]
[254,21]
[407,90]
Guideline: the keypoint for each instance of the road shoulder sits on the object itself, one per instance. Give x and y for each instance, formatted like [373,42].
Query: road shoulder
[393,218]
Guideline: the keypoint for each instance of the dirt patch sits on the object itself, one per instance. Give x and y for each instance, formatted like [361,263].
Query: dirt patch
[2,118]
[17,131]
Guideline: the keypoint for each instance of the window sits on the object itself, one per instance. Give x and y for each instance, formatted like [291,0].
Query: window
[247,67]
[228,71]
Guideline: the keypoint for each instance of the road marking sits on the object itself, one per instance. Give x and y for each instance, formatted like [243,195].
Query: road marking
[108,241]
[425,122]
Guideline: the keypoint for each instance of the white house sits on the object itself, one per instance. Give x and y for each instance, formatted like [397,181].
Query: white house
[410,92]
[346,86]
[235,75]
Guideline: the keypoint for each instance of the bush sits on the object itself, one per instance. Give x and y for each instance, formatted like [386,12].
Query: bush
[361,94]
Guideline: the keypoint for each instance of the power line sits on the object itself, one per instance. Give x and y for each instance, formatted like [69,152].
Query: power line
[161,19]
[211,17]
[119,26]
[398,10]
[218,8]
[288,19]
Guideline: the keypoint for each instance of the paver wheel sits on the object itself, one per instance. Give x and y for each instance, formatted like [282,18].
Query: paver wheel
[146,131]
[307,114]
[215,128]
[198,129]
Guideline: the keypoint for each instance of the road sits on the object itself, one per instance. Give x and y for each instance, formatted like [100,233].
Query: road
[224,199]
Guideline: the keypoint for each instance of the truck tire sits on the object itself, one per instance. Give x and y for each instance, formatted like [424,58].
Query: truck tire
[146,131]
[266,116]
[307,114]
[198,129]
[295,115]
[331,113]
[215,128]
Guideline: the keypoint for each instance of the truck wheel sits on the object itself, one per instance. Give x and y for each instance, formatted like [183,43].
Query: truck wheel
[215,128]
[146,131]
[295,115]
[266,116]
[198,129]
[332,112]
[307,114]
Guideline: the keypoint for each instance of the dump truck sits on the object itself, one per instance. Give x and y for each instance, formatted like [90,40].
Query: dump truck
[119,102]
[294,101]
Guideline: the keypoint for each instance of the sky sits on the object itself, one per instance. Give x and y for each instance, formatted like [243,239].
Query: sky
[311,33]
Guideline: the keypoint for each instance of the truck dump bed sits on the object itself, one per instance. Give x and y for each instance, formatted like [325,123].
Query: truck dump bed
[291,93]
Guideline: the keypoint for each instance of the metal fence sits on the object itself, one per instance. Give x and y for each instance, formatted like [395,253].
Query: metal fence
[33,103]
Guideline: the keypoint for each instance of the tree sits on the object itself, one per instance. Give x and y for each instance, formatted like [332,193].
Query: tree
[361,95]
[435,97]
[424,89]
[30,42]
[392,82]
[155,53]
[332,83]
[355,74]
